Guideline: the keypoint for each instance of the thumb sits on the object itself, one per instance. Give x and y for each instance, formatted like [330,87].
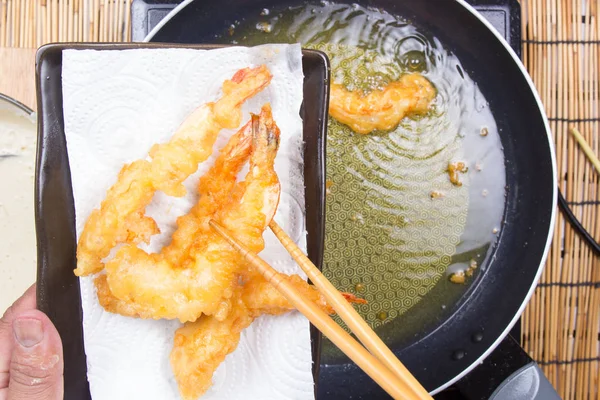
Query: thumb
[36,365]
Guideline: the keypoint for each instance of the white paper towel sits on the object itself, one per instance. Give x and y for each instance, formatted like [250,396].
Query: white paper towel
[117,104]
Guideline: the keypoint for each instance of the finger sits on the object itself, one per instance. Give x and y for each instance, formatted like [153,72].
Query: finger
[25,302]
[36,365]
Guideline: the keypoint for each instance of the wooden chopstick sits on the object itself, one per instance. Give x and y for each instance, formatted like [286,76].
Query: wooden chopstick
[586,148]
[349,315]
[357,353]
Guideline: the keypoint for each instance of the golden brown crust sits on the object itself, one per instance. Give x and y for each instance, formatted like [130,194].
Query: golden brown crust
[381,109]
[171,163]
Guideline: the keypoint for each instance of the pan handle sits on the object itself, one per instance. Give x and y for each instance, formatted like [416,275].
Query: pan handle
[528,383]
[507,374]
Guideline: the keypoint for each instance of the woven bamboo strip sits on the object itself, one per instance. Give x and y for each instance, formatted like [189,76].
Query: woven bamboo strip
[79,20]
[10,23]
[53,23]
[24,22]
[20,23]
[128,22]
[3,7]
[120,21]
[65,18]
[38,21]
[576,186]
[582,379]
[85,25]
[17,22]
[551,335]
[61,22]
[93,18]
[71,21]
[33,17]
[109,20]
[102,21]
[47,18]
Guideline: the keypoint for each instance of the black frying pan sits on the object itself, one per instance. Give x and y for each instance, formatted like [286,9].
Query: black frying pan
[477,328]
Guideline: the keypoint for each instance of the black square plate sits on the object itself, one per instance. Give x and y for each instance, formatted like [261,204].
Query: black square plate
[57,287]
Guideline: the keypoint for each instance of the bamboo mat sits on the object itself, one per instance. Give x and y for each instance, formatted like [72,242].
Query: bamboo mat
[561,324]
[561,50]
[32,23]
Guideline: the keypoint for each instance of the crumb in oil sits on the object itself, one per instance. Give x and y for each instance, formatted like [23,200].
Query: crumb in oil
[328,185]
[231,30]
[484,131]
[454,169]
[458,277]
[359,287]
[358,218]
[473,264]
[264,27]
[382,315]
[472,267]
[495,230]
[435,194]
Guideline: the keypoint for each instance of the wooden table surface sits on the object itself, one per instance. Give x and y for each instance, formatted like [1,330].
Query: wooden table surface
[17,74]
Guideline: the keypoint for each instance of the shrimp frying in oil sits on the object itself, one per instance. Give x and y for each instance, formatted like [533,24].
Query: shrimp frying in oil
[201,346]
[120,218]
[155,287]
[381,109]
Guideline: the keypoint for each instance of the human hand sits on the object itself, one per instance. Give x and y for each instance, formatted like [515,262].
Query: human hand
[31,355]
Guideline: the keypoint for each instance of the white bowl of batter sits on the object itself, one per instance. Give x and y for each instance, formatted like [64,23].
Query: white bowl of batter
[18,137]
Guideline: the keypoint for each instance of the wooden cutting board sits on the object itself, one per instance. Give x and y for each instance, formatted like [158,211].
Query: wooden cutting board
[17,74]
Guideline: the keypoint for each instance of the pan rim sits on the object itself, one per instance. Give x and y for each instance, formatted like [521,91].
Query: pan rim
[166,19]
[551,148]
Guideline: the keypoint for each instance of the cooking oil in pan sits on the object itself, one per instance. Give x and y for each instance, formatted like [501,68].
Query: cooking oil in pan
[398,229]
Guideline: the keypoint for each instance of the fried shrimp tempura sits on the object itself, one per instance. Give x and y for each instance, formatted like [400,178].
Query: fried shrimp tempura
[261,294]
[201,346]
[214,188]
[258,294]
[120,218]
[381,109]
[162,290]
